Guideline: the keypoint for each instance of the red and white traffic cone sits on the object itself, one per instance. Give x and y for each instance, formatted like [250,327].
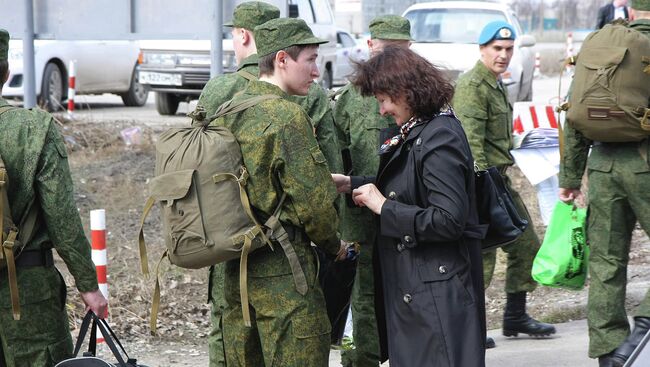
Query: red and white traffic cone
[537,72]
[98,244]
[71,86]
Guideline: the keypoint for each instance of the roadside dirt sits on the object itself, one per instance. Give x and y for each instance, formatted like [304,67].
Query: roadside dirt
[111,175]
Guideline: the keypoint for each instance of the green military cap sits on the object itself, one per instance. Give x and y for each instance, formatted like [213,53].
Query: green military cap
[390,27]
[4,45]
[250,14]
[643,5]
[278,34]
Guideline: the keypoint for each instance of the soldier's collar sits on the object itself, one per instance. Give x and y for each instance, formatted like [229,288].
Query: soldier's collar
[251,60]
[487,75]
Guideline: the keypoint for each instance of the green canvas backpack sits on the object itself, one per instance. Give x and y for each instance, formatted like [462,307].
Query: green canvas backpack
[611,87]
[200,184]
[14,238]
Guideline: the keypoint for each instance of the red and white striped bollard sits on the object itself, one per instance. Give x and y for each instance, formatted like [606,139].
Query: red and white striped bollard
[569,51]
[537,72]
[98,244]
[72,81]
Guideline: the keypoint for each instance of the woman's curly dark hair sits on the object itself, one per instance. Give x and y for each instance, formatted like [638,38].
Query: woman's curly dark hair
[399,72]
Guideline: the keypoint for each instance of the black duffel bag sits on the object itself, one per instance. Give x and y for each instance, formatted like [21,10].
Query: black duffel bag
[497,210]
[89,359]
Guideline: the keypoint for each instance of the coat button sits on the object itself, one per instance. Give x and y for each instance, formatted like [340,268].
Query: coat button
[442,269]
[400,247]
[408,239]
[392,195]
[407,298]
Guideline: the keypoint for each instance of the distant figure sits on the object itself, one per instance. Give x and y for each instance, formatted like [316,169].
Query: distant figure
[614,10]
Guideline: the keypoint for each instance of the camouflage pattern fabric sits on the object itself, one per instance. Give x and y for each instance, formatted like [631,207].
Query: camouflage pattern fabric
[481,104]
[390,27]
[281,155]
[359,121]
[643,5]
[317,105]
[250,14]
[278,34]
[221,89]
[37,165]
[619,195]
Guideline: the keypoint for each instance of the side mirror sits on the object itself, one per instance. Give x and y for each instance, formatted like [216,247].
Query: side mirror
[527,40]
[293,11]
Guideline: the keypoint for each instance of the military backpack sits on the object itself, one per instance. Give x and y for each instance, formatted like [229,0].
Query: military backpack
[200,184]
[14,238]
[611,87]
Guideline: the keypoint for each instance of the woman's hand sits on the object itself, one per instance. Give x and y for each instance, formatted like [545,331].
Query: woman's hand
[342,183]
[370,197]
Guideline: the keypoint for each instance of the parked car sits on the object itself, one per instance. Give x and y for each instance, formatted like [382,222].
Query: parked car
[101,67]
[347,50]
[178,70]
[446,33]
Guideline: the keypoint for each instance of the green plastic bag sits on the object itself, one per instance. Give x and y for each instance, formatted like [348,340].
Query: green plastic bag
[562,259]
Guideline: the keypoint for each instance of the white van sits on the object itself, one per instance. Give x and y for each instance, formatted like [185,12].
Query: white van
[178,70]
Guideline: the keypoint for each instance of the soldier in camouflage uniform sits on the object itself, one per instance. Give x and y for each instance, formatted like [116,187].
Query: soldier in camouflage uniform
[218,90]
[281,153]
[222,88]
[619,195]
[481,104]
[37,166]
[359,120]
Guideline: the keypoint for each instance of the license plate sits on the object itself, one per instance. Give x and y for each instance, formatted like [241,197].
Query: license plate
[148,77]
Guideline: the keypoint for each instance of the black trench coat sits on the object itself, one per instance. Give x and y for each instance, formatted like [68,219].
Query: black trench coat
[429,279]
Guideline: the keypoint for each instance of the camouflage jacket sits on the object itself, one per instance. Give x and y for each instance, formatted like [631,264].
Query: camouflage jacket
[481,104]
[37,166]
[224,87]
[282,155]
[359,122]
[576,146]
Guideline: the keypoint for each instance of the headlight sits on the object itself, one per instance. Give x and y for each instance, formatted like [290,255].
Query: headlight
[16,54]
[194,60]
[159,59]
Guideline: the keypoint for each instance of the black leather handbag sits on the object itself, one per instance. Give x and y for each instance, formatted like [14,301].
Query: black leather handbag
[89,359]
[497,209]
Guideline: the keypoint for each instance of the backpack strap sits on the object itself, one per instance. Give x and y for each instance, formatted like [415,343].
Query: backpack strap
[279,234]
[11,242]
[238,105]
[247,75]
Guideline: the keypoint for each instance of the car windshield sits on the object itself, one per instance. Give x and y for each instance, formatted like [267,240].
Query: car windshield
[450,25]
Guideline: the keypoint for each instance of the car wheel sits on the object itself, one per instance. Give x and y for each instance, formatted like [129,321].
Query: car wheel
[137,94]
[167,103]
[51,97]
[326,80]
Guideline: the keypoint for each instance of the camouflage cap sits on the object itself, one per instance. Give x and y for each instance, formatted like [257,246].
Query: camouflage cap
[643,5]
[4,45]
[278,34]
[250,14]
[390,27]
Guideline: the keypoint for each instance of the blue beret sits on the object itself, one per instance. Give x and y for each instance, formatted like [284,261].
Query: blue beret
[497,30]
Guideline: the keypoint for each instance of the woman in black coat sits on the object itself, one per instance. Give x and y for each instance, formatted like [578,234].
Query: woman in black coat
[429,284]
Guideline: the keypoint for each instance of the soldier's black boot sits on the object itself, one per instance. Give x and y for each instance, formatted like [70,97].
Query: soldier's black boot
[516,320]
[623,352]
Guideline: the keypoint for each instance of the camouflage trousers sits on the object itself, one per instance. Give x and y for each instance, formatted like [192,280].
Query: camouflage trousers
[218,305]
[521,253]
[619,195]
[42,336]
[288,329]
[364,322]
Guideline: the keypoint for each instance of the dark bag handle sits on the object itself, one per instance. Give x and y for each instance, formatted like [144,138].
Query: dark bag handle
[109,336]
